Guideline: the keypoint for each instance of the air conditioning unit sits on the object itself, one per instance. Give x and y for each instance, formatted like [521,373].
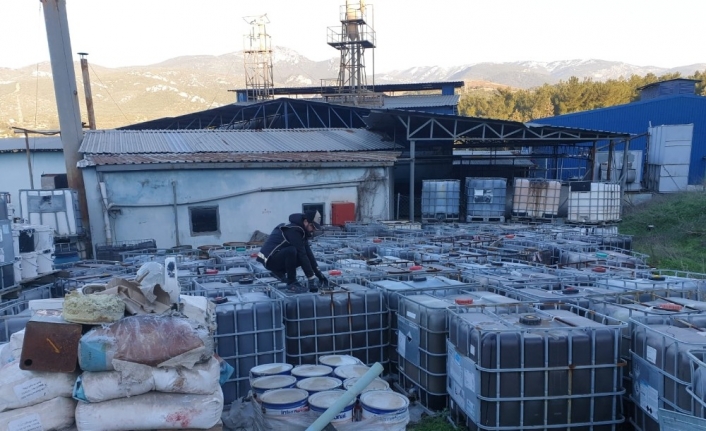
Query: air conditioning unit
[634,169]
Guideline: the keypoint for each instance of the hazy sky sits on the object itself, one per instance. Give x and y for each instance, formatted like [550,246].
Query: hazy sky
[663,33]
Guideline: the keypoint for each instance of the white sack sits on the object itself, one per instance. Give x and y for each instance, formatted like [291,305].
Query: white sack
[22,388]
[134,379]
[153,410]
[56,414]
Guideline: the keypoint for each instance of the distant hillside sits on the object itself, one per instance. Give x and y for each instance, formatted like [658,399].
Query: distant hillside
[186,84]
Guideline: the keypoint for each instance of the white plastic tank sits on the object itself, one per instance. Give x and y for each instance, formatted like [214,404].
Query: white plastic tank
[43,238]
[594,202]
[45,261]
[57,209]
[536,198]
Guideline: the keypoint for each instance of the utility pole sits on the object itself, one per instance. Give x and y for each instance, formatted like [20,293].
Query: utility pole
[65,88]
[87,91]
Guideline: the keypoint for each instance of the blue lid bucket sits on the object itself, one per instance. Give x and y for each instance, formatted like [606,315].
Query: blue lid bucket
[338,360]
[319,384]
[347,371]
[270,370]
[261,384]
[306,371]
[321,401]
[388,405]
[279,402]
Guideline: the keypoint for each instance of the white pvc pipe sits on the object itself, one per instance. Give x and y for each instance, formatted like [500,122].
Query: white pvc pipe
[346,398]
[106,215]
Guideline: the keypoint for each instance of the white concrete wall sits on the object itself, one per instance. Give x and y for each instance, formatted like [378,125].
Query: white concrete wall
[247,199]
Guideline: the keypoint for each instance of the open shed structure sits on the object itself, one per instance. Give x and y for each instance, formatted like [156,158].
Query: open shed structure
[430,142]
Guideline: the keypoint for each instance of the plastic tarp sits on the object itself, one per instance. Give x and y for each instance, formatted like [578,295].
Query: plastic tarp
[154,340]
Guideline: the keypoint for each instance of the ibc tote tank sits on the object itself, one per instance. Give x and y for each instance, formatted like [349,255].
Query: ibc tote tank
[485,198]
[441,199]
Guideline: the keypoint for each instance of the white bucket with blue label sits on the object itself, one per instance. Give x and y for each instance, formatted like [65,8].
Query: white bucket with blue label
[319,384]
[334,361]
[270,370]
[387,406]
[281,402]
[266,383]
[306,371]
[321,401]
[345,372]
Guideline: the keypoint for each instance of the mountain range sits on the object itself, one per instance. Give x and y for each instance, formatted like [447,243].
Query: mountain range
[180,85]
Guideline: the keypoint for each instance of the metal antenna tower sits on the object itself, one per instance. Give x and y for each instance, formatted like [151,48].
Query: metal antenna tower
[257,56]
[352,38]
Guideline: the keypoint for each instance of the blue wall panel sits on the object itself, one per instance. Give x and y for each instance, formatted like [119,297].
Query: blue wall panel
[638,116]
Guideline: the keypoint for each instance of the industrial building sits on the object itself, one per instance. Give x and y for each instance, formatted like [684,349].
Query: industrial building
[672,102]
[201,187]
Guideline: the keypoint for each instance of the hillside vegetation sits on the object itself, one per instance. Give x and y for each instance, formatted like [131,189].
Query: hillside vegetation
[671,229]
[569,96]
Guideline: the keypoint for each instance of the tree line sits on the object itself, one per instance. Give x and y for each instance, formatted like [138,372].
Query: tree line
[565,97]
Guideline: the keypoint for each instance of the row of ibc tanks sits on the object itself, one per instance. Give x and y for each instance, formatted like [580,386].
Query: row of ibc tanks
[504,344]
[134,346]
[486,199]
[397,292]
[26,251]
[293,397]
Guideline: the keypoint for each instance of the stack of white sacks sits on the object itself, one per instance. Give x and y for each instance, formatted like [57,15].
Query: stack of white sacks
[141,372]
[31,400]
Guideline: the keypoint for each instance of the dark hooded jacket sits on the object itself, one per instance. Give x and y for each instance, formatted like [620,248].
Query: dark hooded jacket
[295,235]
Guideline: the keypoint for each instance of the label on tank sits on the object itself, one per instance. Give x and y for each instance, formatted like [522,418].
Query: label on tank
[411,315]
[469,380]
[647,386]
[408,340]
[471,410]
[651,354]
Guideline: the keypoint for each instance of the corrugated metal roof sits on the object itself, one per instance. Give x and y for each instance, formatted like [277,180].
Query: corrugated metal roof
[36,143]
[384,158]
[231,141]
[420,101]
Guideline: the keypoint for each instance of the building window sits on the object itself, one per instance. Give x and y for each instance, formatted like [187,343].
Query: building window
[204,220]
[315,207]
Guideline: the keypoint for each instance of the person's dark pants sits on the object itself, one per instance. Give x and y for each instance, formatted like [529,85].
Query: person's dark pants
[284,261]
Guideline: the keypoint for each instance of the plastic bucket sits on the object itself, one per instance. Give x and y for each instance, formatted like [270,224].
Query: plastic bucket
[345,372]
[306,371]
[45,261]
[376,385]
[338,360]
[319,384]
[270,370]
[43,237]
[279,402]
[388,405]
[29,265]
[321,401]
[278,381]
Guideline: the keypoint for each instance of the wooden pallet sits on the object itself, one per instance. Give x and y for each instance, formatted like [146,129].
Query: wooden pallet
[474,219]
